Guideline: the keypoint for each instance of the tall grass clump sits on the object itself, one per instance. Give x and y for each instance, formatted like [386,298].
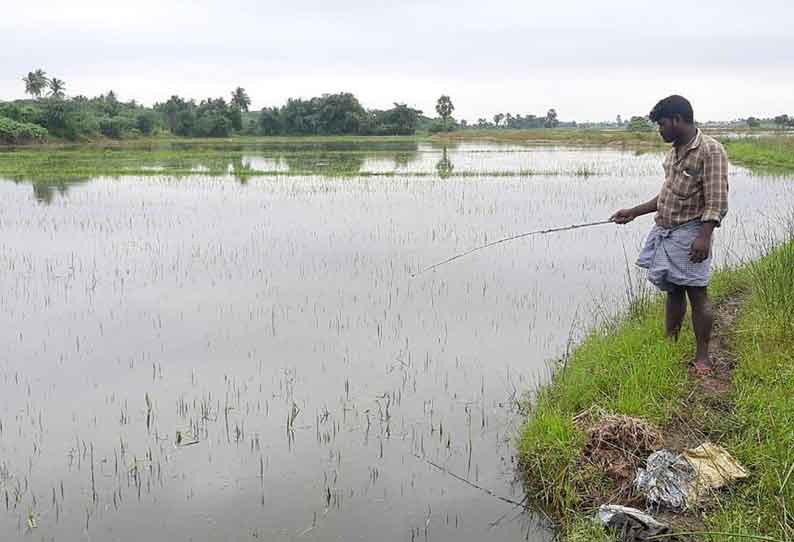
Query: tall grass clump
[772,279]
[762,427]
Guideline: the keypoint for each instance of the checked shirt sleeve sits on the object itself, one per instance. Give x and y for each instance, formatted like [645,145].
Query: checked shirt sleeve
[715,186]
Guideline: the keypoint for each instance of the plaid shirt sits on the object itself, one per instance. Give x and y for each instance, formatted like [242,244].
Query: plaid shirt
[696,183]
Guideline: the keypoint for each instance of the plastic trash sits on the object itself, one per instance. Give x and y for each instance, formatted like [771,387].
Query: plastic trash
[666,480]
[630,524]
[679,481]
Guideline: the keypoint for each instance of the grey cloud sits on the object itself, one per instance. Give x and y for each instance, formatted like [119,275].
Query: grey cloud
[380,42]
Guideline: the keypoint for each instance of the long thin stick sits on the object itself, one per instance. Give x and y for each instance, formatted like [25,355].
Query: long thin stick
[511,238]
[472,484]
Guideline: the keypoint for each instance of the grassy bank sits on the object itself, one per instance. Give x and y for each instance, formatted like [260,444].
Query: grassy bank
[761,430]
[631,368]
[558,136]
[765,154]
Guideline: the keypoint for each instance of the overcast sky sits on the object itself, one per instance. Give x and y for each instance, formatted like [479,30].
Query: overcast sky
[590,59]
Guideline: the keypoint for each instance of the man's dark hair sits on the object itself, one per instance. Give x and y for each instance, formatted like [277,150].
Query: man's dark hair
[672,106]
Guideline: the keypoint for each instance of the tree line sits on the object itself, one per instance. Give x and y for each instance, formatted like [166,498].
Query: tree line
[780,121]
[50,112]
[523,122]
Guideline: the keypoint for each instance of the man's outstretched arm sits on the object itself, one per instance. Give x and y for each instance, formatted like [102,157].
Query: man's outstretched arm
[624,216]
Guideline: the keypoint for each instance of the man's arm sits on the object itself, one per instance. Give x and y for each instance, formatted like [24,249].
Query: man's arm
[715,194]
[715,187]
[624,216]
[701,246]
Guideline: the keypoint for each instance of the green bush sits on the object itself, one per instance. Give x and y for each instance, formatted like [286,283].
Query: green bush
[146,122]
[270,122]
[19,112]
[117,127]
[69,120]
[213,125]
[13,132]
[438,126]
[639,124]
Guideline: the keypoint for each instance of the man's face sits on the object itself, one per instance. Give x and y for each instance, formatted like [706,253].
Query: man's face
[668,129]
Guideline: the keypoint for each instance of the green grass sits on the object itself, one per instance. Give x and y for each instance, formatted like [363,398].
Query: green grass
[628,368]
[558,136]
[763,428]
[631,368]
[764,154]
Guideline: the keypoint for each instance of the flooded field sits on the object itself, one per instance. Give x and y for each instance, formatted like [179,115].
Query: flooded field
[231,346]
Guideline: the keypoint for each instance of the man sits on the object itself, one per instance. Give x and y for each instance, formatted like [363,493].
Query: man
[691,204]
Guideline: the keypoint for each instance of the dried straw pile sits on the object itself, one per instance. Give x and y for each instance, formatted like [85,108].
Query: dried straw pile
[617,445]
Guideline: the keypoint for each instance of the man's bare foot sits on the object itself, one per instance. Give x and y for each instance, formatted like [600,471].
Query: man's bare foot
[702,367]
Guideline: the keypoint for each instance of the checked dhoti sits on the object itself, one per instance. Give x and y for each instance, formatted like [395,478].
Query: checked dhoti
[666,257]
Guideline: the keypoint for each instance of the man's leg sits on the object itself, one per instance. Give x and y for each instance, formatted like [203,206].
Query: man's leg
[702,322]
[676,310]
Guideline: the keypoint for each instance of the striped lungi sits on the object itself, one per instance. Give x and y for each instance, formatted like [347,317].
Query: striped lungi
[666,257]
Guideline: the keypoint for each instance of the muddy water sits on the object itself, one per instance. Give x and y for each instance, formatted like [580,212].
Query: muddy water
[200,359]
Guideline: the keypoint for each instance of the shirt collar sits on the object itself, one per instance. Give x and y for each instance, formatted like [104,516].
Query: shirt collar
[694,144]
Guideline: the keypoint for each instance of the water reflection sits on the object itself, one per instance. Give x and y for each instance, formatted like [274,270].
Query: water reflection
[324,163]
[328,159]
[444,166]
[180,160]
[45,190]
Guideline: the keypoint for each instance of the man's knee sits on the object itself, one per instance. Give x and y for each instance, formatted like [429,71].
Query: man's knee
[698,296]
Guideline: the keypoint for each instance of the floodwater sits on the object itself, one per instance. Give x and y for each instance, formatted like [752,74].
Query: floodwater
[205,358]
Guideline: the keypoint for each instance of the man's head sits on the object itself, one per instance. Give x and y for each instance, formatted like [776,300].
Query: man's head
[675,118]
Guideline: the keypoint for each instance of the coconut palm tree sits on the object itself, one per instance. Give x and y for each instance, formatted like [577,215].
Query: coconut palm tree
[240,99]
[444,108]
[57,87]
[35,82]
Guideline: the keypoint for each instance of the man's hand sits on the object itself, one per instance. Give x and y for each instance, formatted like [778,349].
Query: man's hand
[624,216]
[700,248]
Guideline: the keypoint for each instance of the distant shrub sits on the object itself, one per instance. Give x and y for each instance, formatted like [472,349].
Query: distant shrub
[438,126]
[117,127]
[13,132]
[19,113]
[145,122]
[213,125]
[184,122]
[69,120]
[250,128]
[639,124]
[270,122]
